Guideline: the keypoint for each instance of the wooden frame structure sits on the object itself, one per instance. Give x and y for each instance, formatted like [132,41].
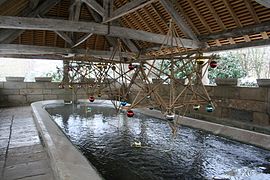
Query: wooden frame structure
[140,25]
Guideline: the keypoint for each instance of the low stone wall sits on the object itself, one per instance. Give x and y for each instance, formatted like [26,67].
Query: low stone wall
[24,93]
[243,107]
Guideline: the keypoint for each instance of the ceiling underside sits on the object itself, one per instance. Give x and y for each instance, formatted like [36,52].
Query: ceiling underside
[207,25]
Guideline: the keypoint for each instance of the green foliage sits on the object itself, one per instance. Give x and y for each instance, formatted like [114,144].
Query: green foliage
[229,66]
[56,77]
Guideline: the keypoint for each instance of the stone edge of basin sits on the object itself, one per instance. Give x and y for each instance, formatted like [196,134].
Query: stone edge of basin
[242,135]
[66,160]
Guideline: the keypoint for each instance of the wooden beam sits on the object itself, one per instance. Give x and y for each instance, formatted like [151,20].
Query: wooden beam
[262,42]
[113,41]
[128,8]
[95,6]
[16,49]
[265,3]
[65,37]
[247,30]
[7,35]
[10,22]
[181,23]
[82,39]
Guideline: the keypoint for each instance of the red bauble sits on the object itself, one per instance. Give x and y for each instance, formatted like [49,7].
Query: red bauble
[213,64]
[91,99]
[130,67]
[130,113]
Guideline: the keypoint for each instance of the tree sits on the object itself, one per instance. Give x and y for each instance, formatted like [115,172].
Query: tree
[229,66]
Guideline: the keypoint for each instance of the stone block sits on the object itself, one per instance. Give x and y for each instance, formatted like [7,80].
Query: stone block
[258,94]
[47,91]
[49,97]
[42,85]
[34,98]
[14,85]
[9,91]
[17,99]
[241,115]
[226,92]
[247,105]
[64,97]
[30,91]
[260,118]
[61,91]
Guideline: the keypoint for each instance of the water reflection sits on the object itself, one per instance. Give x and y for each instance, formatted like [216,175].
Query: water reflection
[105,139]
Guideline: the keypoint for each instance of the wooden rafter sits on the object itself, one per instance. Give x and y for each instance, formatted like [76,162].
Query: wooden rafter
[112,41]
[7,36]
[247,30]
[178,19]
[128,8]
[95,6]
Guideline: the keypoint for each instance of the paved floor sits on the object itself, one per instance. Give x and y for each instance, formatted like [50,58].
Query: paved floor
[21,154]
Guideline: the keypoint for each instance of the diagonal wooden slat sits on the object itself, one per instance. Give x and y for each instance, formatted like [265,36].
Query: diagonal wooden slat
[178,19]
[128,8]
[95,6]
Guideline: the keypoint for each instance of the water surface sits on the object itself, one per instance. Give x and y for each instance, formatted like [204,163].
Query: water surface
[106,140]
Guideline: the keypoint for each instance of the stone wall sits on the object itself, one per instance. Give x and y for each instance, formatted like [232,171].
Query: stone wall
[243,107]
[24,93]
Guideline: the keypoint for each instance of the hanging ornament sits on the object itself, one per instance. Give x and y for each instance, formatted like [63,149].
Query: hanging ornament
[91,99]
[199,59]
[89,109]
[130,67]
[209,108]
[79,86]
[99,94]
[123,103]
[213,64]
[70,86]
[113,68]
[130,113]
[196,107]
[61,86]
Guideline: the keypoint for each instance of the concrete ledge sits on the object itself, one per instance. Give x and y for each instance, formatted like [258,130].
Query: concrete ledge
[67,162]
[242,135]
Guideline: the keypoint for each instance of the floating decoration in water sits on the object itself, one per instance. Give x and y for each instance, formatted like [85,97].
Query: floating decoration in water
[196,107]
[136,144]
[209,108]
[123,103]
[91,99]
[130,67]
[213,64]
[169,117]
[70,86]
[130,113]
[61,86]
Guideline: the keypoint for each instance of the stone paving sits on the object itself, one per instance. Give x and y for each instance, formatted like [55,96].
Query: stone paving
[22,155]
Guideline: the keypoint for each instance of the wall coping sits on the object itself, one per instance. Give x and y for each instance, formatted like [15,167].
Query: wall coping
[66,160]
